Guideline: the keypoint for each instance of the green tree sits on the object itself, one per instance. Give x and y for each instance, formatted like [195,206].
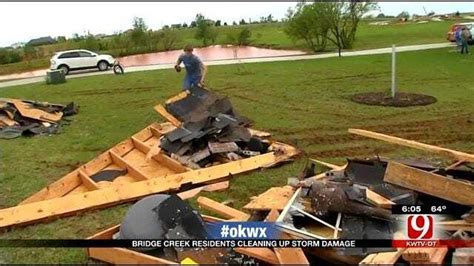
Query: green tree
[320,22]
[138,33]
[244,37]
[169,38]
[308,23]
[205,32]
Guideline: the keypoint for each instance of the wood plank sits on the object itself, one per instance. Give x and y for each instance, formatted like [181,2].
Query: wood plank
[190,193]
[162,111]
[414,144]
[286,256]
[328,165]
[161,158]
[209,218]
[131,170]
[382,258]
[221,209]
[29,111]
[177,97]
[170,163]
[87,181]
[263,254]
[378,200]
[273,198]
[456,225]
[429,183]
[140,145]
[419,254]
[337,226]
[217,186]
[290,256]
[272,216]
[438,258]
[71,204]
[107,233]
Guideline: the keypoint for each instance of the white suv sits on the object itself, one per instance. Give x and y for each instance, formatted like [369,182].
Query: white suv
[80,59]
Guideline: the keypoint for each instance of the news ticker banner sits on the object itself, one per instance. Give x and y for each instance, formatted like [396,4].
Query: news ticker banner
[216,243]
[418,223]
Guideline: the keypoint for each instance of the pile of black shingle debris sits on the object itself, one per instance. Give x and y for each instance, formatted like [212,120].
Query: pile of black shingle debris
[211,131]
[28,118]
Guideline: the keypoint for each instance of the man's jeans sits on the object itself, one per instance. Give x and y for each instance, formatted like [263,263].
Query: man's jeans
[191,81]
[464,47]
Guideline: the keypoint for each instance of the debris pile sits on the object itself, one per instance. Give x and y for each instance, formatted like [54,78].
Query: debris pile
[209,131]
[28,118]
[354,201]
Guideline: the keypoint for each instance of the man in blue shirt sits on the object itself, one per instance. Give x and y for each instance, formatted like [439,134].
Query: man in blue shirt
[195,69]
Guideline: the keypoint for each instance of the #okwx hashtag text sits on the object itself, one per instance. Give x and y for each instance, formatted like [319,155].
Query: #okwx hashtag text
[240,231]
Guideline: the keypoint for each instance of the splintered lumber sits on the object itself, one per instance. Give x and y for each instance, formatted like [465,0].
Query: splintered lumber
[137,178]
[382,258]
[27,111]
[456,225]
[419,254]
[429,183]
[328,165]
[414,144]
[290,256]
[70,204]
[287,256]
[222,209]
[274,198]
[173,120]
[425,255]
[217,186]
[272,216]
[378,200]
[190,193]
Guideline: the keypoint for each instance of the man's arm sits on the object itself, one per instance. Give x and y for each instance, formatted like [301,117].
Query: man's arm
[204,72]
[178,61]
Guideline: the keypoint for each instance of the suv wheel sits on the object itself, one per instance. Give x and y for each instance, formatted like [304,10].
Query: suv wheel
[64,69]
[103,65]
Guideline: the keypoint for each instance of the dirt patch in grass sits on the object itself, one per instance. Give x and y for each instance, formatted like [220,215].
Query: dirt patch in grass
[401,99]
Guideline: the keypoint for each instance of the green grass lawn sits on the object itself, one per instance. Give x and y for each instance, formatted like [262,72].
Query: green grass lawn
[305,103]
[273,36]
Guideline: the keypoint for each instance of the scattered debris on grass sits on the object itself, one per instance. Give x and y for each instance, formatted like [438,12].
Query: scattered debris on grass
[124,172]
[352,202]
[29,118]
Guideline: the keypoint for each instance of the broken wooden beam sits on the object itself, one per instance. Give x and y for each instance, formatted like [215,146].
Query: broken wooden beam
[429,183]
[273,198]
[70,204]
[378,200]
[456,225]
[221,209]
[162,111]
[414,144]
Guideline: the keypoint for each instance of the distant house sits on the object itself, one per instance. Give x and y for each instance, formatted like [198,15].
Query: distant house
[18,45]
[176,26]
[41,41]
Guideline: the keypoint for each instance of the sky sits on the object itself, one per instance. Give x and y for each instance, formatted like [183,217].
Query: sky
[21,22]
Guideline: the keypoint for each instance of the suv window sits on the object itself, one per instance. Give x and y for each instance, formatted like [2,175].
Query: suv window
[69,55]
[85,54]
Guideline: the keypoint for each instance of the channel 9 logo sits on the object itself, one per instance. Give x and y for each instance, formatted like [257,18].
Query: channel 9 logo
[420,226]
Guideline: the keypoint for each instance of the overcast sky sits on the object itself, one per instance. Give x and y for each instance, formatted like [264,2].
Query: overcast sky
[21,22]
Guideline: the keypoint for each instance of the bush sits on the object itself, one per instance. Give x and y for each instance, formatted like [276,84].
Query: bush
[8,56]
